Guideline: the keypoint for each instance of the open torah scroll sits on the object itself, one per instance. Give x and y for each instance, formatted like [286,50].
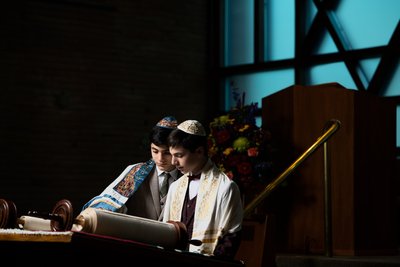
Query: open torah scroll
[166,234]
[96,221]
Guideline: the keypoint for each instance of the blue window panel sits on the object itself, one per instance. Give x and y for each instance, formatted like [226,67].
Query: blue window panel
[393,88]
[327,44]
[259,121]
[279,30]
[333,72]
[239,32]
[256,86]
[369,67]
[353,17]
[310,15]
[368,23]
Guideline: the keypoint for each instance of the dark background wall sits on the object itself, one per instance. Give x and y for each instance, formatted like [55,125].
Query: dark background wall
[82,82]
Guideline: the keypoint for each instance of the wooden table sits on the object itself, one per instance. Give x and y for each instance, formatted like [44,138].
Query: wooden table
[83,249]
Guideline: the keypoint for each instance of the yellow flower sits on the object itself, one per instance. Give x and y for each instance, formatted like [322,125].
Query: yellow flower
[241,144]
[221,121]
[224,119]
[228,151]
[244,128]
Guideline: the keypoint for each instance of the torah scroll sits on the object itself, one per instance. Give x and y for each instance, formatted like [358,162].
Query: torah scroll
[165,234]
[34,223]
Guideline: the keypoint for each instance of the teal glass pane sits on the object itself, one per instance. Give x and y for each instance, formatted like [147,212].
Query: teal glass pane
[353,17]
[327,44]
[329,73]
[369,67]
[279,29]
[368,23]
[310,14]
[239,32]
[393,88]
[256,86]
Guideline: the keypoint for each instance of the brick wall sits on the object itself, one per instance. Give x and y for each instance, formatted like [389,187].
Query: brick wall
[82,83]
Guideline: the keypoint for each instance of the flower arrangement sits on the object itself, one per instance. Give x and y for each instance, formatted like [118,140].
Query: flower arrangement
[240,148]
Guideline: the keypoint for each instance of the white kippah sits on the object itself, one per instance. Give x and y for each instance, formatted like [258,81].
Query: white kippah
[192,127]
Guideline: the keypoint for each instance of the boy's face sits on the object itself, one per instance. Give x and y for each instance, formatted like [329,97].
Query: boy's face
[186,161]
[162,157]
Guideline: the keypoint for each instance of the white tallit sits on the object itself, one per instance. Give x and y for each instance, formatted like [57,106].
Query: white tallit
[218,209]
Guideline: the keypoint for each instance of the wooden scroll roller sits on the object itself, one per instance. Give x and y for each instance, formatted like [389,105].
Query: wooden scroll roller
[60,219]
[8,214]
[165,234]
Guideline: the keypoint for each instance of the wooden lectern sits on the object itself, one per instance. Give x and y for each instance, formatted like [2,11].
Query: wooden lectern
[361,167]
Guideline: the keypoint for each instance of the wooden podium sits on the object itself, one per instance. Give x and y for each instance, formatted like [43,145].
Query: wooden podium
[362,162]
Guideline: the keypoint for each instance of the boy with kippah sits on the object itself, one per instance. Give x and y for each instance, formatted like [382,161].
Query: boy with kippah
[140,190]
[204,198]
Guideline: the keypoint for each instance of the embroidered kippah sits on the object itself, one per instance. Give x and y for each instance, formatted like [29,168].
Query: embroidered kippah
[192,127]
[168,122]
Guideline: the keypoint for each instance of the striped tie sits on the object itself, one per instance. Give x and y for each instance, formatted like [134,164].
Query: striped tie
[164,185]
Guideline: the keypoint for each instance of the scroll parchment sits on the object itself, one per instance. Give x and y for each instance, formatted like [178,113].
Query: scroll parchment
[129,227]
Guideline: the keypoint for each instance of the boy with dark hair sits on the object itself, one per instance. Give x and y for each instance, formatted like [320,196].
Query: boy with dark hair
[140,190]
[204,198]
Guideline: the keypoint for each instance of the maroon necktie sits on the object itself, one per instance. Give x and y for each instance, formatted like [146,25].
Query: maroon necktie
[194,177]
